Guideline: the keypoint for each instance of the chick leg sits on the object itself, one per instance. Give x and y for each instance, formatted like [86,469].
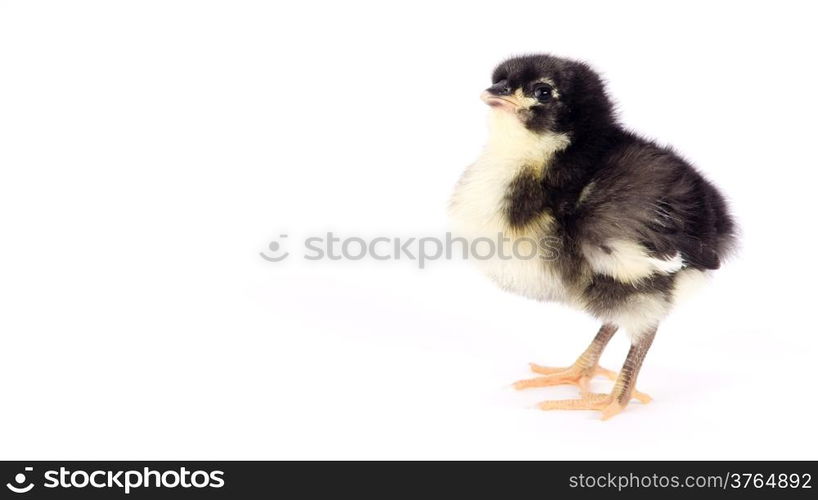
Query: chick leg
[624,388]
[581,372]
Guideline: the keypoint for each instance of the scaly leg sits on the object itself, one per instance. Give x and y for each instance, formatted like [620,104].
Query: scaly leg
[617,400]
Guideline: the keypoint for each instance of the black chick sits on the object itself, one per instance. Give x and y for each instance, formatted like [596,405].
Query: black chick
[594,216]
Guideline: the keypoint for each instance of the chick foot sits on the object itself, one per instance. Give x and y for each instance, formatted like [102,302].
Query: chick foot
[623,391]
[572,375]
[575,374]
[608,404]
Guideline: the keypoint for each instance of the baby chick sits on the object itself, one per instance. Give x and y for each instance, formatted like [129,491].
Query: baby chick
[627,224]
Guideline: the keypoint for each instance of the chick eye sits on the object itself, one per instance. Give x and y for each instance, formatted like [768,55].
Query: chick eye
[542,92]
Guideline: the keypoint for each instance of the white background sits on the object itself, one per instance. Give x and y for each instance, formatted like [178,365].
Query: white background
[150,150]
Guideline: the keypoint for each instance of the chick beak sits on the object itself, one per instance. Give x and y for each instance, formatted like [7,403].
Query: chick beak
[507,102]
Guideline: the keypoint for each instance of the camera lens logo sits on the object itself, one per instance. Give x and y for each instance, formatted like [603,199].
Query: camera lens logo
[20,479]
